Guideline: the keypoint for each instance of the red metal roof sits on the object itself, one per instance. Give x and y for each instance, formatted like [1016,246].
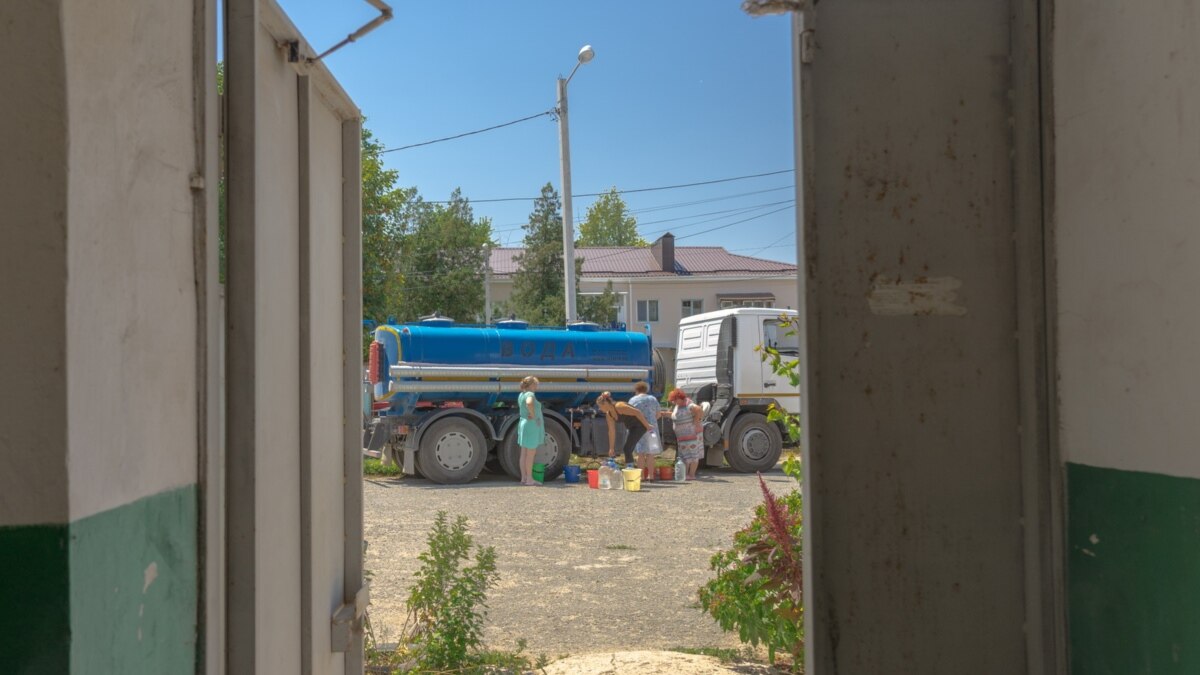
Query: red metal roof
[633,261]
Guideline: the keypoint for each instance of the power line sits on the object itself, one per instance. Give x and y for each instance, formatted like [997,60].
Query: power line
[736,222]
[469,133]
[626,192]
[735,211]
[774,243]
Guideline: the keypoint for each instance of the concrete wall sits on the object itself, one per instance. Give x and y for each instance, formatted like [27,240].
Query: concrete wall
[130,253]
[670,293]
[100,342]
[33,263]
[1127,150]
[914,485]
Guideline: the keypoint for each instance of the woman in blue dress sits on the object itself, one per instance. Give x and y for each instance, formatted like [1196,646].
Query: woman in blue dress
[531,430]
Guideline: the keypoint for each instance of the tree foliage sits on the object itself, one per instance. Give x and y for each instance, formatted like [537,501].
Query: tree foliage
[445,255]
[600,308]
[538,284]
[387,214]
[608,223]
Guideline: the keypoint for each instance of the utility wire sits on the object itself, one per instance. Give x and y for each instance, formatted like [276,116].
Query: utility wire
[464,135]
[735,211]
[626,192]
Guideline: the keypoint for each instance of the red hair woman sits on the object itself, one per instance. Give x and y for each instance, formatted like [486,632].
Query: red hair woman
[687,419]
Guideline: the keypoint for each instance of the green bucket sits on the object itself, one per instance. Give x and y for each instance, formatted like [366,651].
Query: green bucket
[539,473]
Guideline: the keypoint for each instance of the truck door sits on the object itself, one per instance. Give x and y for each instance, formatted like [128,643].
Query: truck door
[780,335]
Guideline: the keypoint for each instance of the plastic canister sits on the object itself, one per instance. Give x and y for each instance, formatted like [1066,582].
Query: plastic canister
[633,479]
[605,477]
[680,470]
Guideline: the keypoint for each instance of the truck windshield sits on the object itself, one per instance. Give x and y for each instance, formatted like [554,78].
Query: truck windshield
[781,335]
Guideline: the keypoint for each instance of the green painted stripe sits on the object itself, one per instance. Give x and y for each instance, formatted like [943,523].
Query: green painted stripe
[1133,566]
[134,587]
[112,593]
[35,626]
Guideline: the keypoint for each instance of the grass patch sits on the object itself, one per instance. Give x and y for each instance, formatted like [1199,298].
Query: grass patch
[375,467]
[620,547]
[492,662]
[722,654]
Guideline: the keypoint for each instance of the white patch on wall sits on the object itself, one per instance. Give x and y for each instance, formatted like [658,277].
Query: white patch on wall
[922,296]
[149,576]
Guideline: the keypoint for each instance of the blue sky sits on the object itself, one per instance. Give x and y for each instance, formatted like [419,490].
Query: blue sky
[679,91]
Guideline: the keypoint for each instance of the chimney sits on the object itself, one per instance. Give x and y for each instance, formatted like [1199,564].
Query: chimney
[664,252]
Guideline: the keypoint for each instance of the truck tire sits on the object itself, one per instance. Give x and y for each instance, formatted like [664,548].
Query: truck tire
[452,451]
[754,444]
[493,465]
[555,453]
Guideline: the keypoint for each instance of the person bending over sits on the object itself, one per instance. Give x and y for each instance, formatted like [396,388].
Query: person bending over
[617,412]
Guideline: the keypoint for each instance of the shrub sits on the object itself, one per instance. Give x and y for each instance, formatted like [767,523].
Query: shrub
[447,605]
[758,588]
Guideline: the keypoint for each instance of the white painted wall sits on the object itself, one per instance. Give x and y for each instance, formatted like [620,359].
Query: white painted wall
[131,298]
[1127,153]
[325,331]
[277,356]
[33,284]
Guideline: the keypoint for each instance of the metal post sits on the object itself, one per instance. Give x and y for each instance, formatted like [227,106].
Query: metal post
[564,154]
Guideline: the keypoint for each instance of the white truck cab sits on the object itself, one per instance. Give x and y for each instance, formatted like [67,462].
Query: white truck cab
[716,363]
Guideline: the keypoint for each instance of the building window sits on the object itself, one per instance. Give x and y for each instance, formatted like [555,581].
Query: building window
[691,307]
[730,303]
[647,310]
[618,304]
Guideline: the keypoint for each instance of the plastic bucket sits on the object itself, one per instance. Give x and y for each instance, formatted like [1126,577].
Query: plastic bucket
[594,479]
[539,472]
[571,474]
[633,479]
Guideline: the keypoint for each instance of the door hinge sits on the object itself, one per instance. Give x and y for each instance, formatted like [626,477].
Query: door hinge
[347,620]
[808,46]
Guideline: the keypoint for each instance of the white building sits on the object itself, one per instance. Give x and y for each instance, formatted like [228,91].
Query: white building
[660,284]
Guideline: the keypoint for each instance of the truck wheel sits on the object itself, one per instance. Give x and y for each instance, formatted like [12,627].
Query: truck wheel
[555,453]
[493,465]
[508,455]
[453,450]
[754,444]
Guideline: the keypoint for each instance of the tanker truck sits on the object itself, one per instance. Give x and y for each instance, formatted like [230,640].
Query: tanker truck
[445,394]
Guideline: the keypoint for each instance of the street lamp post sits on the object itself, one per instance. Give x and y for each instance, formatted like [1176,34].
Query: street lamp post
[564,154]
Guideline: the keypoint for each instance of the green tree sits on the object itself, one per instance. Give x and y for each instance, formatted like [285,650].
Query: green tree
[600,308]
[445,256]
[387,212]
[538,282]
[608,223]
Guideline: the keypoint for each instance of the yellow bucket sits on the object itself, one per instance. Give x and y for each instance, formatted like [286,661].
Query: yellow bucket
[633,479]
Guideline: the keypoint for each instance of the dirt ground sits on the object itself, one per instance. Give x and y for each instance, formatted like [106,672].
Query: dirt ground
[643,662]
[581,571]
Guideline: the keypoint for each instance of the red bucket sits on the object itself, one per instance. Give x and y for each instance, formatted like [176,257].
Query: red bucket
[594,479]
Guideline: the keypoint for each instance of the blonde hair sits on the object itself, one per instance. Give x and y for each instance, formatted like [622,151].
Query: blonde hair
[606,397]
[641,388]
[528,382]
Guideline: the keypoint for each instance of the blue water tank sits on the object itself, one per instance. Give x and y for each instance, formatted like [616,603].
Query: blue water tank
[424,344]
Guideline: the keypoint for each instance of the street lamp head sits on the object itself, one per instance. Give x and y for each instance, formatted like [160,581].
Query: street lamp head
[586,54]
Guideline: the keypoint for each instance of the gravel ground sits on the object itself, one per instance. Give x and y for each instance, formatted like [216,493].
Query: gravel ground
[581,570]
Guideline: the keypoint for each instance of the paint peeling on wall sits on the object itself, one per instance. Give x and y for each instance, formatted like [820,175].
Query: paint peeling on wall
[923,296]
